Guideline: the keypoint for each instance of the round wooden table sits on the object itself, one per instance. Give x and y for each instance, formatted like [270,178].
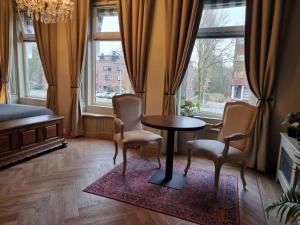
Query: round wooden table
[171,124]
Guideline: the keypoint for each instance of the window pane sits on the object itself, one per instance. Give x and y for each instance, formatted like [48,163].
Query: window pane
[215,75]
[111,74]
[27,25]
[223,17]
[107,20]
[37,84]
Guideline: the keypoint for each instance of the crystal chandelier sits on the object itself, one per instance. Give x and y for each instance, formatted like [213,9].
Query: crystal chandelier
[47,11]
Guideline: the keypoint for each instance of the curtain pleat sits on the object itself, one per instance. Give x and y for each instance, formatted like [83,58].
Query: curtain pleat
[6,18]
[46,38]
[135,19]
[263,25]
[76,32]
[182,24]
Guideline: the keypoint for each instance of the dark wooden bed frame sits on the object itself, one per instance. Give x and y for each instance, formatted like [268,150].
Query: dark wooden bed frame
[22,138]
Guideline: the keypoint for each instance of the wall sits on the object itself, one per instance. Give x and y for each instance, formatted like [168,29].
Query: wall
[287,92]
[98,126]
[156,67]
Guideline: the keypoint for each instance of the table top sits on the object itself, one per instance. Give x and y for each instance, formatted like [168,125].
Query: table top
[182,123]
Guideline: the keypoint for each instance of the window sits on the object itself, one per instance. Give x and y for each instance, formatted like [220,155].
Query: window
[107,71]
[216,72]
[110,76]
[237,92]
[106,68]
[106,76]
[35,84]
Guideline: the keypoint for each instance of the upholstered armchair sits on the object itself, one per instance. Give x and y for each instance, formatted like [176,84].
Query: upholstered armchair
[129,129]
[233,144]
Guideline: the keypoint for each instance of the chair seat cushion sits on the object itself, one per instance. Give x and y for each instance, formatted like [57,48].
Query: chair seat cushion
[213,150]
[137,137]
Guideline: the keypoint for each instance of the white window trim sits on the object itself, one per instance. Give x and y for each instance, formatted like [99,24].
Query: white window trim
[221,32]
[91,106]
[23,76]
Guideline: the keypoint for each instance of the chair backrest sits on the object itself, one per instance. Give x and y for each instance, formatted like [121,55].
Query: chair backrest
[238,117]
[128,108]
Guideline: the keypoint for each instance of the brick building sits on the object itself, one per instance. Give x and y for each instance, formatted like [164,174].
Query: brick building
[111,75]
[239,86]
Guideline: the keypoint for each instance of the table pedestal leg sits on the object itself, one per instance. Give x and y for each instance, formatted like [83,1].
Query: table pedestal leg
[168,178]
[170,155]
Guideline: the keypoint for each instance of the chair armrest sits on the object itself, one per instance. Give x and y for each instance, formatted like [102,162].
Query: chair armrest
[233,137]
[236,137]
[211,126]
[120,125]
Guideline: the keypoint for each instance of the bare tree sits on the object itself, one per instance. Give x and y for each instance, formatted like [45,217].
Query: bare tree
[210,53]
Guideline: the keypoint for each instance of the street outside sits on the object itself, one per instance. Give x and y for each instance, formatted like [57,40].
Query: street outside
[212,109]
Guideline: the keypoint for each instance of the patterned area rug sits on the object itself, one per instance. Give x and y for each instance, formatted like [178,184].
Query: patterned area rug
[195,203]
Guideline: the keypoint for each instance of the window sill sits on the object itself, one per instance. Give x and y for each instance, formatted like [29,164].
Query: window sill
[95,115]
[32,101]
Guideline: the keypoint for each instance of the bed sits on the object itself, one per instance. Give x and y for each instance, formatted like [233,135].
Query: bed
[26,131]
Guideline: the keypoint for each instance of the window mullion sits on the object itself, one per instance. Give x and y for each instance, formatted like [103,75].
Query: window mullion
[25,71]
[221,32]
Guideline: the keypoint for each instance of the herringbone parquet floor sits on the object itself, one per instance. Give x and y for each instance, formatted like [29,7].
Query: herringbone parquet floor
[47,190]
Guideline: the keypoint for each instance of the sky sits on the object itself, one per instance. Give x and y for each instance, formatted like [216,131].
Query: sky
[236,15]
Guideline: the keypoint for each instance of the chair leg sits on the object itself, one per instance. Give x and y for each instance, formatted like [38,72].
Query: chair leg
[217,176]
[159,153]
[243,168]
[124,160]
[116,151]
[189,155]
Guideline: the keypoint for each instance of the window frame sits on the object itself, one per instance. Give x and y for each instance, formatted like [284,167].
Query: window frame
[99,36]
[221,32]
[14,79]
[224,32]
[23,76]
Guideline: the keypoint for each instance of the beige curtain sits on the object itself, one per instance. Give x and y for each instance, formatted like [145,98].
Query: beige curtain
[46,38]
[182,23]
[135,19]
[263,24]
[6,17]
[76,32]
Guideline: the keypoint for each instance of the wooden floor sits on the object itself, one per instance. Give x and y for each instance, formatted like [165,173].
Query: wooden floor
[48,190]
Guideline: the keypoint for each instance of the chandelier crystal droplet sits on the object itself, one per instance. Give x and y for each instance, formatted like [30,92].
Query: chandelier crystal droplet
[47,11]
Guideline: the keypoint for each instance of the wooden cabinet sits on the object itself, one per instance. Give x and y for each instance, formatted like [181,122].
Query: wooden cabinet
[25,137]
[288,163]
